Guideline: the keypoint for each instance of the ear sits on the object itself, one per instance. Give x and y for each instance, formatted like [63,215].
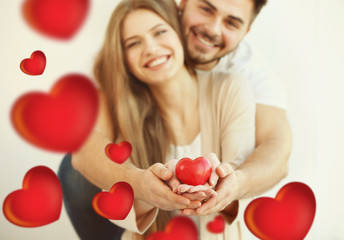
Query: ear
[182,5]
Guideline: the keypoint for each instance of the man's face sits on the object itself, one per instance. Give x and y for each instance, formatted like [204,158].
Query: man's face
[213,28]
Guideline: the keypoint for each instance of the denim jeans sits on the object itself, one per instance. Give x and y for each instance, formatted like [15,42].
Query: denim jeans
[78,193]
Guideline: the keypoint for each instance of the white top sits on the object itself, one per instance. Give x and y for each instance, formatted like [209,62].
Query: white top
[248,61]
[193,150]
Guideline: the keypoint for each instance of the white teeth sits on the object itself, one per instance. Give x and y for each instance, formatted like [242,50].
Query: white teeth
[205,42]
[158,61]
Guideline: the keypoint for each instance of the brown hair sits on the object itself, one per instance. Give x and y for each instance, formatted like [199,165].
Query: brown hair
[135,115]
[258,5]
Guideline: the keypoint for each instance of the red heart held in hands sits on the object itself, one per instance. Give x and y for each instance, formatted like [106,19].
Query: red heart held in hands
[193,172]
[56,18]
[115,204]
[217,225]
[34,65]
[289,216]
[180,228]
[60,121]
[38,203]
[118,153]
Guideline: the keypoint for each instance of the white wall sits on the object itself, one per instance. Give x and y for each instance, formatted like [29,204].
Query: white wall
[301,39]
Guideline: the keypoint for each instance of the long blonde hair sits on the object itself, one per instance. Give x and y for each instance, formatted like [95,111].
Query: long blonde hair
[135,114]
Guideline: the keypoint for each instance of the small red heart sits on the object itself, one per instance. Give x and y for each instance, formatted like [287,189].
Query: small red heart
[193,172]
[34,65]
[56,18]
[38,203]
[60,121]
[289,216]
[217,225]
[118,153]
[115,204]
[180,228]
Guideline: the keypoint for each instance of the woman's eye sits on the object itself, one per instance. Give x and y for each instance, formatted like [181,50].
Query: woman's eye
[132,44]
[160,32]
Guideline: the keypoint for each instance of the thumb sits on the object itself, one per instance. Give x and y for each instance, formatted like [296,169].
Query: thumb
[224,169]
[161,171]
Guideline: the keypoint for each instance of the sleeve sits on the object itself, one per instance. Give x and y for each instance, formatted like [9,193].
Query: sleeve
[237,120]
[237,132]
[140,217]
[267,86]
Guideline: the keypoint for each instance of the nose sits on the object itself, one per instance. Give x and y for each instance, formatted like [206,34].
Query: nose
[151,46]
[214,26]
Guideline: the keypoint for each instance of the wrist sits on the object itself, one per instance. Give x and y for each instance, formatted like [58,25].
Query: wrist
[241,185]
[134,178]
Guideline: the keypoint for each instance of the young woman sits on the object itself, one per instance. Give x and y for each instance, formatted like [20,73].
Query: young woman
[152,98]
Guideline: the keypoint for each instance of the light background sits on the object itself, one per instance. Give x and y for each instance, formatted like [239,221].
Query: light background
[301,39]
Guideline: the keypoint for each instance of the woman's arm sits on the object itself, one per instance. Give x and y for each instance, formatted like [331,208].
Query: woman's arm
[92,162]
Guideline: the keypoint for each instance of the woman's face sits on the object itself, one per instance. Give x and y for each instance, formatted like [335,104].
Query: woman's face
[152,48]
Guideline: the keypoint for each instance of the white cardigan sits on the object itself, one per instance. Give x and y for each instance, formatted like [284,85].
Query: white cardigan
[227,122]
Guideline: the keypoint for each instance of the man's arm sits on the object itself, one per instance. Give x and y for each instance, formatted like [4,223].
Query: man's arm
[268,163]
[262,169]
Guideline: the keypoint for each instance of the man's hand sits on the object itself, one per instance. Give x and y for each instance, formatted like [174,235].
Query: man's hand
[225,189]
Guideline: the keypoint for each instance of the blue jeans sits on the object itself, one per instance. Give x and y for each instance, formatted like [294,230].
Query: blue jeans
[77,197]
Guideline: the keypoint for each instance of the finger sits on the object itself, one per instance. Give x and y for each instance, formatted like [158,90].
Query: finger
[214,177]
[199,196]
[161,171]
[183,188]
[194,205]
[160,190]
[224,170]
[214,161]
[189,212]
[210,203]
[169,199]
[199,188]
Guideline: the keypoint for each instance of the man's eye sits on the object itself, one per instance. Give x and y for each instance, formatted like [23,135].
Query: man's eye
[206,9]
[232,24]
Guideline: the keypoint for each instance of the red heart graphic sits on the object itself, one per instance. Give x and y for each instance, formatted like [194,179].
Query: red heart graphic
[35,64]
[217,225]
[193,172]
[59,121]
[38,203]
[115,204]
[287,217]
[56,18]
[180,228]
[118,153]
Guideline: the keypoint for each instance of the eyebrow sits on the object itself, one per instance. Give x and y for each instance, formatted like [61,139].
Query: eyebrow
[154,27]
[230,16]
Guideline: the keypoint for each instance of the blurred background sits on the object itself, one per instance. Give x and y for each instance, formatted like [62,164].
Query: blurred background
[302,40]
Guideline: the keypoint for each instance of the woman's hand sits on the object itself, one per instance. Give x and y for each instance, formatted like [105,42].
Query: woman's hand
[150,187]
[200,192]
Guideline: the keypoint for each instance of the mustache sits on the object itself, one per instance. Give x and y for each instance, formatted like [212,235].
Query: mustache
[215,39]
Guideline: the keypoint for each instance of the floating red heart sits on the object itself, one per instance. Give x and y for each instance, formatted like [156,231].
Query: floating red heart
[115,204]
[289,216]
[217,225]
[38,203]
[34,65]
[180,228]
[56,18]
[118,153]
[60,121]
[193,172]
